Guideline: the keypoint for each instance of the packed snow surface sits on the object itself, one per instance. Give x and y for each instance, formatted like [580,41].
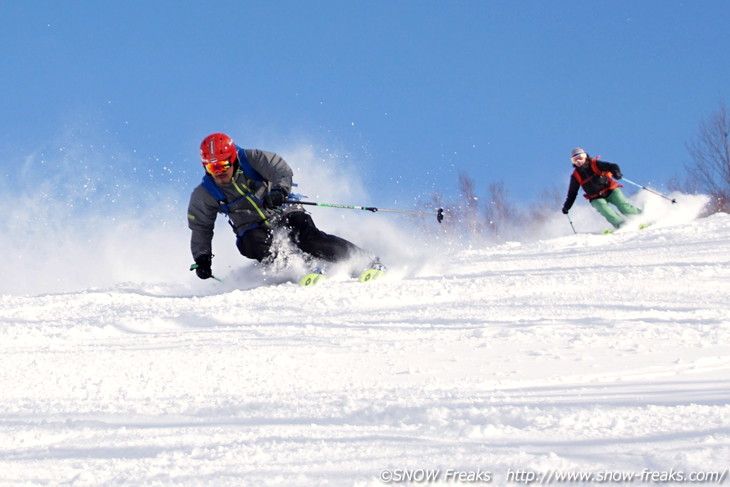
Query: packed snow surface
[604,355]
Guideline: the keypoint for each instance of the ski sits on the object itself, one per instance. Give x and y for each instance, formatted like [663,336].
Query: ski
[639,227]
[376,271]
[312,279]
[609,231]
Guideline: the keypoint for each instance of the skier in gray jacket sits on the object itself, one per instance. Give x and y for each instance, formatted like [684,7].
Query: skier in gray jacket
[251,188]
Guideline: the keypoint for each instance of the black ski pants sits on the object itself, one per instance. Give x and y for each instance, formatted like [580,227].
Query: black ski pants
[303,233]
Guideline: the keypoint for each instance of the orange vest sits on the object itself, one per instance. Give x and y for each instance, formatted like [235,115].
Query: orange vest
[598,184]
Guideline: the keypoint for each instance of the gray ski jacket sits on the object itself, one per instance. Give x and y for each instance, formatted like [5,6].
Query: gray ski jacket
[244,196]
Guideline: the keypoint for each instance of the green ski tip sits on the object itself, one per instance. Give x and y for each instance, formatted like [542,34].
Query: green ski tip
[311,279]
[371,275]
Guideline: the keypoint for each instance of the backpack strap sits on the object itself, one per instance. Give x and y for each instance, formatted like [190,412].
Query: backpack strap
[225,207]
[594,166]
[214,190]
[245,166]
[605,174]
[217,193]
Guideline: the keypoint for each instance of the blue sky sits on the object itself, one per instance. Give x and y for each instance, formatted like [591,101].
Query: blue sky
[413,92]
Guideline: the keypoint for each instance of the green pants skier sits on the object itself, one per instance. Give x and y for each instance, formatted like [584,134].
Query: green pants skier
[598,180]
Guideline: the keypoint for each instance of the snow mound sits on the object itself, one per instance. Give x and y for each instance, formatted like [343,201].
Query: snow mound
[582,353]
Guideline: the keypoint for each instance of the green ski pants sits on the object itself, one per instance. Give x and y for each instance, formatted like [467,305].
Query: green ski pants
[616,198]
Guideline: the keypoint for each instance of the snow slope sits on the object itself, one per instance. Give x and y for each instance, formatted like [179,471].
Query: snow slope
[589,354]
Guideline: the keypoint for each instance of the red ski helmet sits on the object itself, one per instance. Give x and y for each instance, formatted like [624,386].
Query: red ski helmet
[216,149]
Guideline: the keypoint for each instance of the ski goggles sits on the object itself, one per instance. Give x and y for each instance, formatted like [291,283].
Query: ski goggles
[577,156]
[217,167]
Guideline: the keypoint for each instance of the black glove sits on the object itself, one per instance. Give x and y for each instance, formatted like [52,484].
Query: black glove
[202,266]
[565,211]
[617,174]
[275,198]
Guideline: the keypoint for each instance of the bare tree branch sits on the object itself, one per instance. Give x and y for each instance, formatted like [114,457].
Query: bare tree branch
[710,153]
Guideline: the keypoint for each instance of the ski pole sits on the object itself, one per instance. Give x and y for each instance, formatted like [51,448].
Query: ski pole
[650,190]
[571,224]
[439,213]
